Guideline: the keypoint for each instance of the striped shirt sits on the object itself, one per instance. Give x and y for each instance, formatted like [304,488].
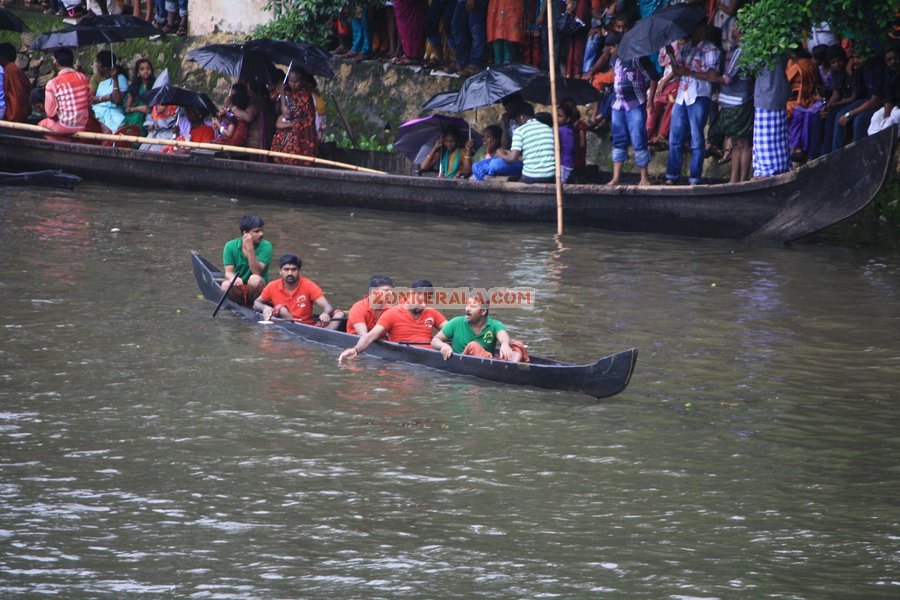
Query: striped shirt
[535,141]
[2,97]
[68,98]
[632,81]
[739,89]
[697,59]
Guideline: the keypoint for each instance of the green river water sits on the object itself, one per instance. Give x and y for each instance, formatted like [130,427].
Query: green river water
[147,449]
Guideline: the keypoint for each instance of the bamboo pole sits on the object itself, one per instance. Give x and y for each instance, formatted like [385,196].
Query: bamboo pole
[87,135]
[556,158]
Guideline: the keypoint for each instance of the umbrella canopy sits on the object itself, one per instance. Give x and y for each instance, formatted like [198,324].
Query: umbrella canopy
[489,86]
[579,90]
[96,30]
[416,138]
[235,60]
[11,22]
[313,59]
[660,29]
[441,101]
[170,94]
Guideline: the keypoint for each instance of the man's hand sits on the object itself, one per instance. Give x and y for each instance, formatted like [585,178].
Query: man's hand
[267,313]
[446,351]
[347,354]
[246,242]
[324,318]
[843,120]
[506,351]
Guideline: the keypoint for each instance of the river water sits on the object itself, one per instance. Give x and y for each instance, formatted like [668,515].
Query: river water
[146,448]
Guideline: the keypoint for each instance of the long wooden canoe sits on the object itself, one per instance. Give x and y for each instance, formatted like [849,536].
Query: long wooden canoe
[606,377]
[776,209]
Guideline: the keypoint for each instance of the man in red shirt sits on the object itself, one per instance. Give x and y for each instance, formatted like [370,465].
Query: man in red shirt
[68,97]
[292,297]
[413,323]
[362,317]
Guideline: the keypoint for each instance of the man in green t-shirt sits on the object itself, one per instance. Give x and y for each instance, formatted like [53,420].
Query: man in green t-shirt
[477,334]
[248,258]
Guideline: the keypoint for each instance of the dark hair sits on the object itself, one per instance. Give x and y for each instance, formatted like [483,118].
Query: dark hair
[135,88]
[420,284]
[7,52]
[836,52]
[240,97]
[570,110]
[64,57]
[380,280]
[545,118]
[525,108]
[249,222]
[801,52]
[820,52]
[106,58]
[454,131]
[714,36]
[512,100]
[495,130]
[38,95]
[290,259]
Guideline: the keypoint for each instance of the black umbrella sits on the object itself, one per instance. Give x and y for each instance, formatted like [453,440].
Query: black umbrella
[237,61]
[660,29]
[579,90]
[488,87]
[169,95]
[11,22]
[95,29]
[441,101]
[313,59]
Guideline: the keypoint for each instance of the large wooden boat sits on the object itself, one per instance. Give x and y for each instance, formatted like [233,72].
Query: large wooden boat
[777,209]
[606,377]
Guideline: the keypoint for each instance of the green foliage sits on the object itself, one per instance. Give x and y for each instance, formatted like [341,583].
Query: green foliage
[300,20]
[342,140]
[770,28]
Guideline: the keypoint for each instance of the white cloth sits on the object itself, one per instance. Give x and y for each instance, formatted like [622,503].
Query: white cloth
[879,122]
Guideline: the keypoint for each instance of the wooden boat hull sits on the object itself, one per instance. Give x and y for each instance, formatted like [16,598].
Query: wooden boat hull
[775,209]
[606,377]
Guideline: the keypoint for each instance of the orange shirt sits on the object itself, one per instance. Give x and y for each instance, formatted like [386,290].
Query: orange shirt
[361,312]
[403,328]
[18,93]
[299,302]
[203,133]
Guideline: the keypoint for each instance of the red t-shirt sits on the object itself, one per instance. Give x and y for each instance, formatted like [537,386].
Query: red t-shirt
[361,312]
[403,328]
[203,133]
[299,302]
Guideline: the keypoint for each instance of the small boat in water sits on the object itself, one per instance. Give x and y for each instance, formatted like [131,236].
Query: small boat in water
[606,377]
[54,178]
[774,209]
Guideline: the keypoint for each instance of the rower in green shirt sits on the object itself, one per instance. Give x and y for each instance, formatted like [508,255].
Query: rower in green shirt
[477,334]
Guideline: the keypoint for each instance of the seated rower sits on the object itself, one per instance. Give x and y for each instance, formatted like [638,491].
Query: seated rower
[291,297]
[413,323]
[247,257]
[476,334]
[362,317]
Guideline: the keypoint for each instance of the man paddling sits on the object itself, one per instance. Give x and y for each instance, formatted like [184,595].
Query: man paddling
[477,334]
[362,317]
[247,257]
[412,323]
[292,297]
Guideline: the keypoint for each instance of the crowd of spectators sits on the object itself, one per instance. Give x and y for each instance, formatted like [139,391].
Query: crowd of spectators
[169,16]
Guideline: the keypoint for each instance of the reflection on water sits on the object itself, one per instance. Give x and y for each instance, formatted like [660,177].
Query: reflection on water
[146,448]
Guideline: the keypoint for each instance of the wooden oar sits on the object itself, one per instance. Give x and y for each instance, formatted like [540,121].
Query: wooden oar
[86,135]
[225,295]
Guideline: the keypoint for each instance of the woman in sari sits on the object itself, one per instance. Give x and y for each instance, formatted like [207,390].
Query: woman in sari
[108,101]
[449,156]
[296,122]
[136,111]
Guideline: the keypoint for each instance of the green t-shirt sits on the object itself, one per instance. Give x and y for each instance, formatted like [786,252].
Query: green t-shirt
[233,254]
[460,333]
